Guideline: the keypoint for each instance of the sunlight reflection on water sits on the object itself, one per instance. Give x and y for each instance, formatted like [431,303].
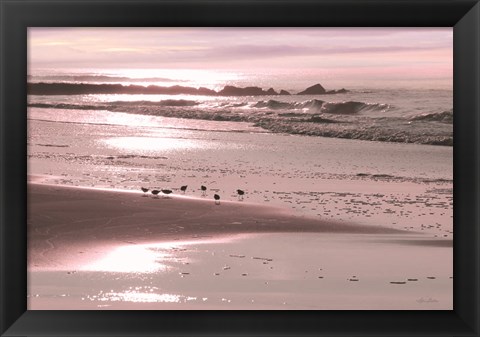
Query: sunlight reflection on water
[131,259]
[153,144]
[140,295]
[168,144]
[146,258]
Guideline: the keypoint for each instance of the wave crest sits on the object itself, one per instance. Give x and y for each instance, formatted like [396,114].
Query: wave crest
[444,117]
[352,107]
[274,105]
[167,102]
[319,106]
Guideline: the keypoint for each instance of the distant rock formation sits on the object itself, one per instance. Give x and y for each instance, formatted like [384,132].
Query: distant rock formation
[60,88]
[316,89]
[86,88]
[230,90]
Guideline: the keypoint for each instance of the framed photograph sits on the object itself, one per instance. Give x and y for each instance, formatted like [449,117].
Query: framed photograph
[239,168]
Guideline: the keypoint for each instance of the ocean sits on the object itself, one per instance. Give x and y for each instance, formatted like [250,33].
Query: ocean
[403,115]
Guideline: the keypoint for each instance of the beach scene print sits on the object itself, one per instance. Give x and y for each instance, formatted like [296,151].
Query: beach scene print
[240,168]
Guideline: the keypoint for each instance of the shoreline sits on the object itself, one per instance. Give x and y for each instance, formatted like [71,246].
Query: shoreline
[68,221]
[61,217]
[93,249]
[92,205]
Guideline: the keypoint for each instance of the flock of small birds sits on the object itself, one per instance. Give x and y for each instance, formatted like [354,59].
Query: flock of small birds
[183,188]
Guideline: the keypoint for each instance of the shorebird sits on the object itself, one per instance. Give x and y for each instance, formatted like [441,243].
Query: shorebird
[217,199]
[144,190]
[155,193]
[167,192]
[240,194]
[183,188]
[204,190]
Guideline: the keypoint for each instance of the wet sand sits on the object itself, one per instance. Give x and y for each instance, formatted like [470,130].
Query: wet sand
[94,249]
[404,186]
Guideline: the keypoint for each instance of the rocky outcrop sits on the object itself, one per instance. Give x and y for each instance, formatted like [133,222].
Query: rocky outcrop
[316,89]
[229,90]
[86,88]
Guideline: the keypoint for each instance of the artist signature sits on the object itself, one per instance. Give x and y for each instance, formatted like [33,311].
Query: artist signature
[427,300]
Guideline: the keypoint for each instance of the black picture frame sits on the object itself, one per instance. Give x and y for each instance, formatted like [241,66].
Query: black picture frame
[17,15]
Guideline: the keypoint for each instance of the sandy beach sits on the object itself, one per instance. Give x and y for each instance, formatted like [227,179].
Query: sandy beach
[93,249]
[240,168]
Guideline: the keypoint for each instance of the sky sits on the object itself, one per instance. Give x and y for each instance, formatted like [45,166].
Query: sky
[357,56]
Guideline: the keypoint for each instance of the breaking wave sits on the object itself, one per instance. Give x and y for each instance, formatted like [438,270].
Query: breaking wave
[167,102]
[319,106]
[444,117]
[311,118]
